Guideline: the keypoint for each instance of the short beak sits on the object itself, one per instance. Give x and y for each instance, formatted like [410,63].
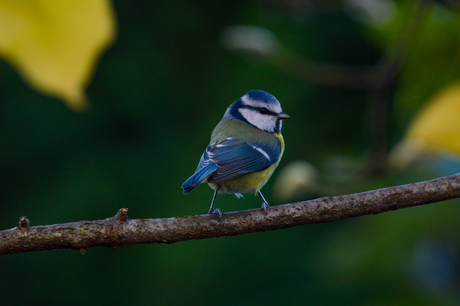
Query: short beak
[283,115]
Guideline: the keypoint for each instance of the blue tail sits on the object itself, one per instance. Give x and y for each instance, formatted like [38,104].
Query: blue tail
[197,177]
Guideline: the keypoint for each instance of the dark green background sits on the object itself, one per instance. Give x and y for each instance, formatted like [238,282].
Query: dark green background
[155,97]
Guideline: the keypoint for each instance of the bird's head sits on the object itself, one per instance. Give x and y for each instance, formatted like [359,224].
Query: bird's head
[260,109]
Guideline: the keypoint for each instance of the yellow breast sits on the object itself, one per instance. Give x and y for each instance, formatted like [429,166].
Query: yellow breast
[281,140]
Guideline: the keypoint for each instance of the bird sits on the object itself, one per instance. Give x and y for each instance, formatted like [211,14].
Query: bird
[245,148]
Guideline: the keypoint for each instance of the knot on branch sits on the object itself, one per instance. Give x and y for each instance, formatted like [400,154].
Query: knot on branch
[121,215]
[24,223]
[115,234]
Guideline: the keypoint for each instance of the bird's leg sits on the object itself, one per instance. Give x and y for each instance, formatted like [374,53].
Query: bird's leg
[212,210]
[264,202]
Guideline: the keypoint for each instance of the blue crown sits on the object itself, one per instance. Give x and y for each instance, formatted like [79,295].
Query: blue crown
[261,95]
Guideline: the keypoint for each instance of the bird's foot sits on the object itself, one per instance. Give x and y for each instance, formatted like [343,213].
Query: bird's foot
[215,212]
[265,206]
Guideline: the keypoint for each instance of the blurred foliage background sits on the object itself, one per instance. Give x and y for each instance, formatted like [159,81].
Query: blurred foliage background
[155,97]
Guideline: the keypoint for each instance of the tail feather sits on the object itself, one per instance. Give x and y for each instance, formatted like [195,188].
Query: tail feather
[193,181]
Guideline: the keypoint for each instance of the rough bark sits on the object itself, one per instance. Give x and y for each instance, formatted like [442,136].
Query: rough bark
[119,230]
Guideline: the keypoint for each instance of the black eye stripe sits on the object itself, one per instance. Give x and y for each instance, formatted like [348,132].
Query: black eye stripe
[261,110]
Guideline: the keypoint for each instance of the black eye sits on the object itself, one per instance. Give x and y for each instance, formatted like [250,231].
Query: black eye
[263,111]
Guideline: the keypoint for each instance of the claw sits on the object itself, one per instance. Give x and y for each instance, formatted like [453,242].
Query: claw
[265,206]
[216,212]
[264,202]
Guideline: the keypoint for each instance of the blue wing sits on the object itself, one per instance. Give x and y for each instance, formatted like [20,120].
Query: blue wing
[235,158]
[230,159]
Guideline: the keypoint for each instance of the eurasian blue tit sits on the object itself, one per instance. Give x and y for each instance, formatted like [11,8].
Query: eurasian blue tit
[246,147]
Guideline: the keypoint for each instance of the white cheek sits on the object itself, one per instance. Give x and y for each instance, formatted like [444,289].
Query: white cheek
[263,122]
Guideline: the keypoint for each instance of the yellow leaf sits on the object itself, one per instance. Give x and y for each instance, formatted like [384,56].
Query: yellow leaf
[435,129]
[55,44]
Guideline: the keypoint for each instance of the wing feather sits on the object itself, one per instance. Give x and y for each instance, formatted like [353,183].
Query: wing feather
[235,157]
[231,159]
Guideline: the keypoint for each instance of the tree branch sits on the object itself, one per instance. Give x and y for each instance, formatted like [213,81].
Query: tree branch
[119,230]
